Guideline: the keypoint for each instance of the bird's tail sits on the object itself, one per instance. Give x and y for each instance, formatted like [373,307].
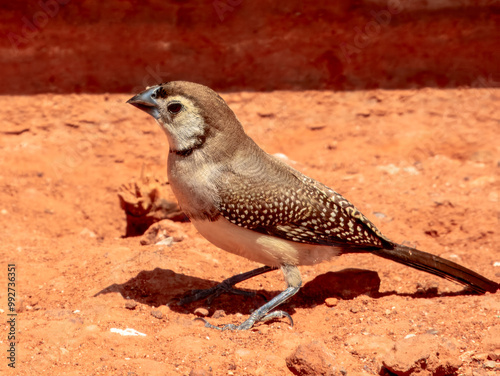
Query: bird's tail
[439,266]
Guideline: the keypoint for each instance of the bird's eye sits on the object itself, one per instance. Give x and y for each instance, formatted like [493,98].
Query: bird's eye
[174,108]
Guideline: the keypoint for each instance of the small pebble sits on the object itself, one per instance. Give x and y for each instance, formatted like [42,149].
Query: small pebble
[157,313]
[493,356]
[354,310]
[167,241]
[264,329]
[87,232]
[200,372]
[331,302]
[491,364]
[130,304]
[219,314]
[480,357]
[201,312]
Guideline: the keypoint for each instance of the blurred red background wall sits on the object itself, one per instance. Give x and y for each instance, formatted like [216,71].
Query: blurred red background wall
[122,46]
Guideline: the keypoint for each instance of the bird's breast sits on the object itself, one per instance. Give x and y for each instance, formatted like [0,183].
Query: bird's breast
[193,183]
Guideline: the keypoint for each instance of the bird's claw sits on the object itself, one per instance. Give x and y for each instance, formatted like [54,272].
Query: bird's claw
[277,315]
[249,323]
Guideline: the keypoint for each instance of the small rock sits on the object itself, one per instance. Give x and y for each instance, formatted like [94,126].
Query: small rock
[130,304]
[491,364]
[157,313]
[494,356]
[163,230]
[4,211]
[311,359]
[480,357]
[167,241]
[370,346]
[316,127]
[491,344]
[361,282]
[430,288]
[427,353]
[87,232]
[264,329]
[354,310]
[201,312]
[127,332]
[331,302]
[199,372]
[332,145]
[219,314]
[363,114]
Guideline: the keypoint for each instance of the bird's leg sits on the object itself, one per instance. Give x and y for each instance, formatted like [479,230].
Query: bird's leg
[225,287]
[293,280]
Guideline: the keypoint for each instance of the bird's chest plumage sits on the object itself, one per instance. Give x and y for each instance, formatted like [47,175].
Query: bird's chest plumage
[193,181]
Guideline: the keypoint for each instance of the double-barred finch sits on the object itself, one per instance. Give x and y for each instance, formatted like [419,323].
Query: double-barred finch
[247,202]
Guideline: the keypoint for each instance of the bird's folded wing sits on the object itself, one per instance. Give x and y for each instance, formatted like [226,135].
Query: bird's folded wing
[296,208]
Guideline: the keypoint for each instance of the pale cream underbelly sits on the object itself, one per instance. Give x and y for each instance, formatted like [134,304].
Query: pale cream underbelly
[261,248]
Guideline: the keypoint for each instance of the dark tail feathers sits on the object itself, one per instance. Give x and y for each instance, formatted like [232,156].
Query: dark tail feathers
[439,266]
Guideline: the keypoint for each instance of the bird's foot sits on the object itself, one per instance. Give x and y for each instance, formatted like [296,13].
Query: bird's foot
[249,323]
[262,314]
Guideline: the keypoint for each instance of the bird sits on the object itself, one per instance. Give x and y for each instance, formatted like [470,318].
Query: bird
[252,204]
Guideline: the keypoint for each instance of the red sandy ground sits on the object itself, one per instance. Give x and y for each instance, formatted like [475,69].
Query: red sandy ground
[426,161]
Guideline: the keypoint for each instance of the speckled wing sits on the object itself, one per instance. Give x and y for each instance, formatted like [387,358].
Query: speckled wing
[295,207]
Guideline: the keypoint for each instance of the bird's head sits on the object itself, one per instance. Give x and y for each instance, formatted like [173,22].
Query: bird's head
[190,114]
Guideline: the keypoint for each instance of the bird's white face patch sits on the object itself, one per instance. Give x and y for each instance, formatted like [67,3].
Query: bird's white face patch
[186,128]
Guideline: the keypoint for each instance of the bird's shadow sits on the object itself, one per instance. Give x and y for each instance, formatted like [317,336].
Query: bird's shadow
[165,287]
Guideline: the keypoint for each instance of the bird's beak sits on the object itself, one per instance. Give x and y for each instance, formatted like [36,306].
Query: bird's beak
[145,101]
